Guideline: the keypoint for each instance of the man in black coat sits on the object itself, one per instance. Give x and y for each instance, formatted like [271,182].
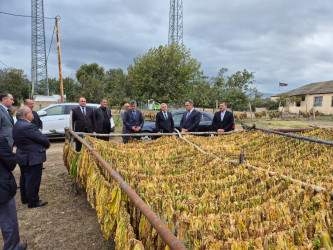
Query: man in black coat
[133,120]
[37,121]
[83,120]
[30,154]
[103,116]
[191,119]
[8,214]
[223,120]
[164,121]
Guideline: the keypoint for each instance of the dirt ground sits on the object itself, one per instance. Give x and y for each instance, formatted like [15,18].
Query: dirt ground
[67,221]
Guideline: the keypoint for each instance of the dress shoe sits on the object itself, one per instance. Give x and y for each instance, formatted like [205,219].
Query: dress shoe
[23,246]
[24,202]
[38,204]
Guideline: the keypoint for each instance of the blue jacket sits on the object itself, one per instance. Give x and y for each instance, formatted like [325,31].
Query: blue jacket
[7,164]
[30,142]
[131,121]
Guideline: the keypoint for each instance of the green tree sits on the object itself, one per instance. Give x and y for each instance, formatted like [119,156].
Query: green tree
[14,81]
[164,74]
[71,88]
[201,93]
[92,80]
[121,90]
[234,88]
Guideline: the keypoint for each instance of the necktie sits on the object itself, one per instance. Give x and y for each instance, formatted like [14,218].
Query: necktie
[188,114]
[83,112]
[165,115]
[10,115]
[134,113]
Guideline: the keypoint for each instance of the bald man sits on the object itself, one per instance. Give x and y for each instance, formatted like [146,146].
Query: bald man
[37,121]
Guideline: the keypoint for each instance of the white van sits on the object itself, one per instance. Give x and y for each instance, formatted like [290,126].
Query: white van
[55,117]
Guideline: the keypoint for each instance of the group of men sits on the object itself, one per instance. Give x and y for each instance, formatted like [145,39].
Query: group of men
[133,120]
[31,145]
[86,119]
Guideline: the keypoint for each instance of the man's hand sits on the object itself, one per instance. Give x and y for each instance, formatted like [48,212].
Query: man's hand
[220,130]
[184,130]
[134,128]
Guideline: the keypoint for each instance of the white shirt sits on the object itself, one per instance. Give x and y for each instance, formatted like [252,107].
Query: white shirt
[222,115]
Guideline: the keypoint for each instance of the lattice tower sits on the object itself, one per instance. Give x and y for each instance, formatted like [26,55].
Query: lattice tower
[176,22]
[38,49]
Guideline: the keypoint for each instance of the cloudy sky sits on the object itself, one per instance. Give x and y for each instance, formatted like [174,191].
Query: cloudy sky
[281,41]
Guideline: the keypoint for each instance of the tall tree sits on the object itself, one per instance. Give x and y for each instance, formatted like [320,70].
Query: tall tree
[72,89]
[233,89]
[92,80]
[15,82]
[121,89]
[164,74]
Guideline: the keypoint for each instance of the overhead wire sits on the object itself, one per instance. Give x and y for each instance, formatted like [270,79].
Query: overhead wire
[11,14]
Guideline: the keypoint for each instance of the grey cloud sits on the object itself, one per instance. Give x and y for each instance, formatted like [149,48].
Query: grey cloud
[285,40]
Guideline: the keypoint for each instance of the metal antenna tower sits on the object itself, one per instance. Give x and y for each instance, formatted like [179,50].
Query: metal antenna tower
[38,49]
[176,22]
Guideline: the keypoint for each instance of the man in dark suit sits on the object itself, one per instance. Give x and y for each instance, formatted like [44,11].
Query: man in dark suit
[6,118]
[223,120]
[83,120]
[8,214]
[133,120]
[164,121]
[191,119]
[103,116]
[30,154]
[37,121]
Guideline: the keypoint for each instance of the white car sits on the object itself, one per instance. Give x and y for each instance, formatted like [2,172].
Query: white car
[56,117]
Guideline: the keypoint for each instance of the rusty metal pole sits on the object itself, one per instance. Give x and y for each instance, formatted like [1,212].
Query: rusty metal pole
[59,62]
[163,231]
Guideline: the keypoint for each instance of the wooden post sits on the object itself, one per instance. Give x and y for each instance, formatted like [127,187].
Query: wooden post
[251,112]
[59,62]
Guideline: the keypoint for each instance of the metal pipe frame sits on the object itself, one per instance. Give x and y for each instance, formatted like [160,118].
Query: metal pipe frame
[163,231]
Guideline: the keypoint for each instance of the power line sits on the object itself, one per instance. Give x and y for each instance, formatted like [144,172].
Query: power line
[3,64]
[10,14]
[51,43]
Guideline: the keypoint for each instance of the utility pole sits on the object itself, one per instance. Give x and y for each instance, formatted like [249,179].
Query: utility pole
[59,61]
[176,22]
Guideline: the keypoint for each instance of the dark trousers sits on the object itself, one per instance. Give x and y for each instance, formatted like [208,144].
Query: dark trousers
[78,146]
[30,179]
[104,138]
[9,225]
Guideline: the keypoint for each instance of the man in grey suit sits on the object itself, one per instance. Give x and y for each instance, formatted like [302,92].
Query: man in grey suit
[133,120]
[30,154]
[103,116]
[6,118]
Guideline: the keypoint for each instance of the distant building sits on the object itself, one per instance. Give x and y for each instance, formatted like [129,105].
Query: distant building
[42,101]
[318,95]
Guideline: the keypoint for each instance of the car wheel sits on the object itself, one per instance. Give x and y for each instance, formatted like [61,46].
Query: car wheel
[146,138]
